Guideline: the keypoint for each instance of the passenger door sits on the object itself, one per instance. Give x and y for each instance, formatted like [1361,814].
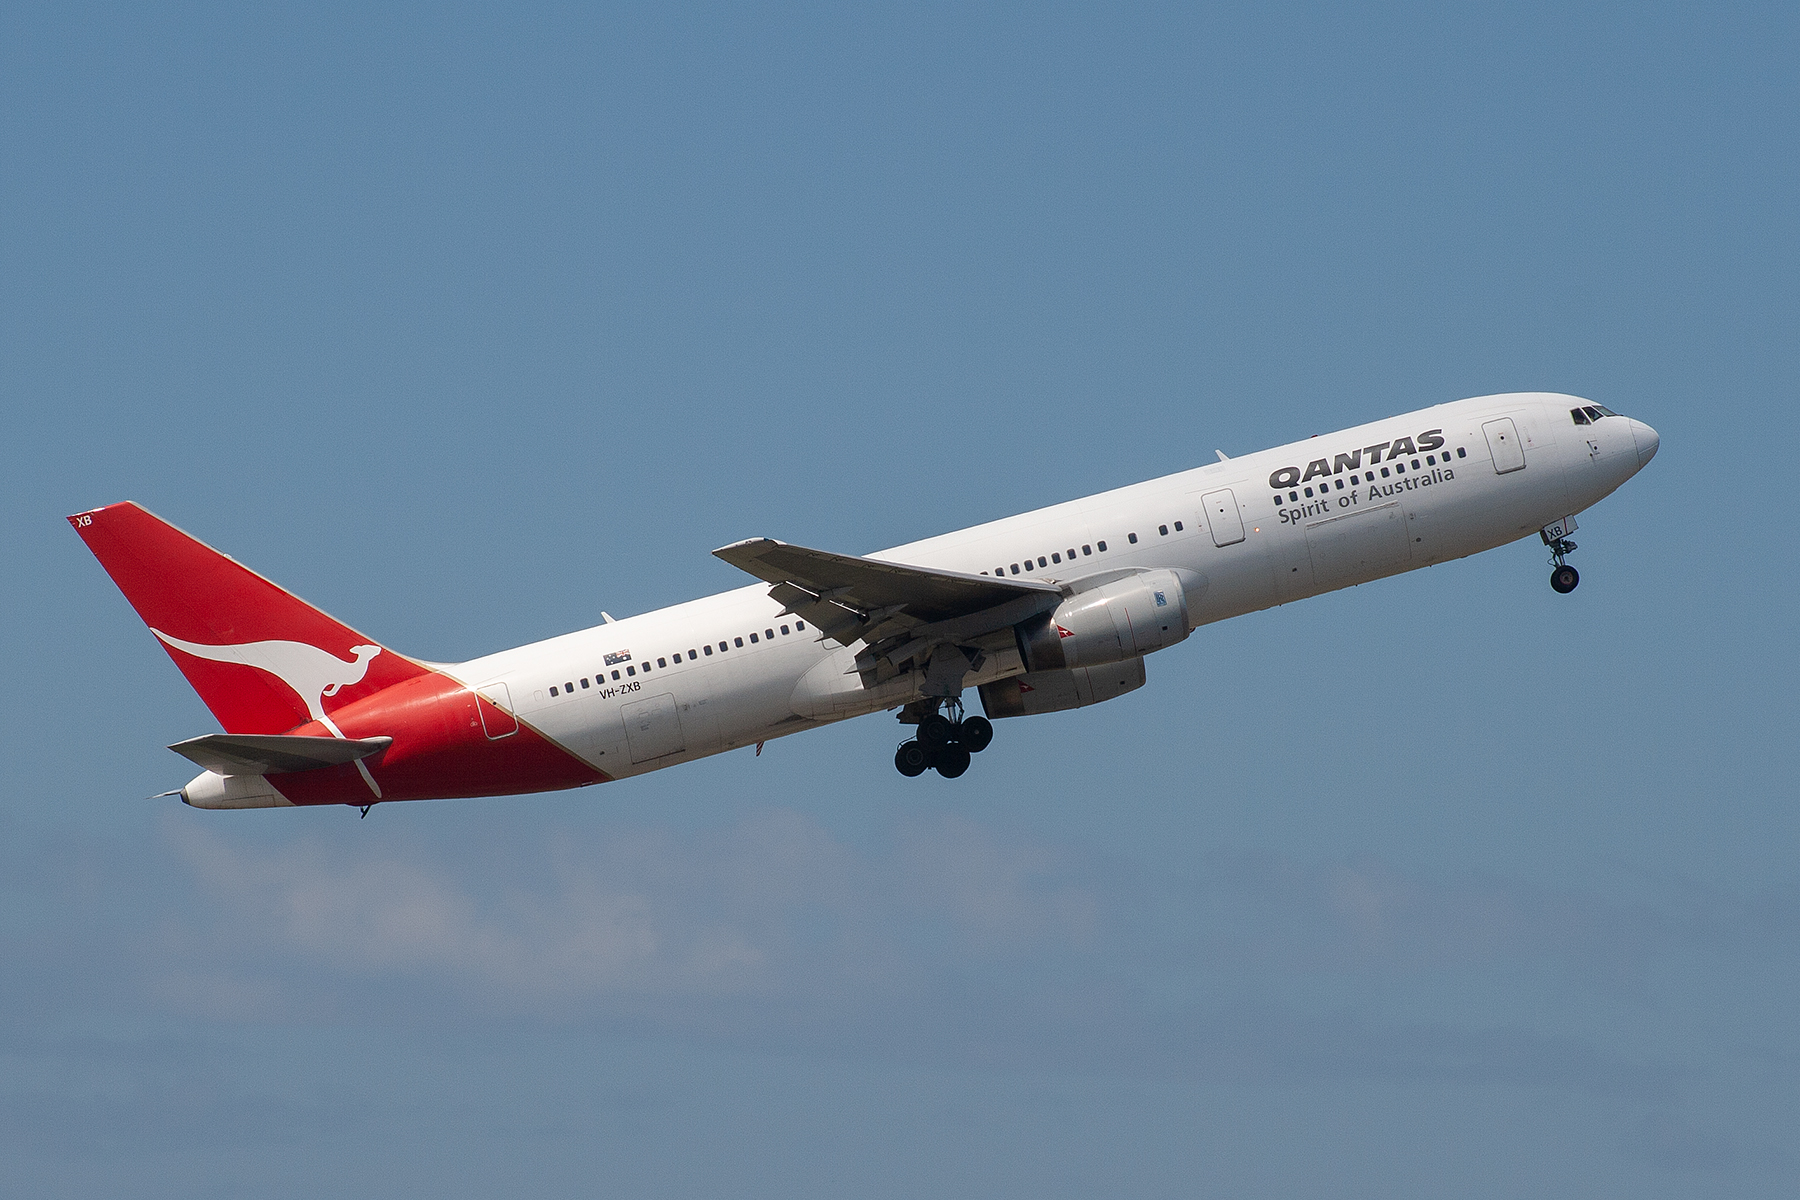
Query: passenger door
[1222,517]
[1504,444]
[494,702]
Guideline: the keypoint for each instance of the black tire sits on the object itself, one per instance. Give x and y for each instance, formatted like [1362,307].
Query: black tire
[951,761]
[1564,579]
[911,759]
[936,730]
[977,733]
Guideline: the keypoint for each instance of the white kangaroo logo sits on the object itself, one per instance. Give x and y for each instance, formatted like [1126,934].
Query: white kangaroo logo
[312,673]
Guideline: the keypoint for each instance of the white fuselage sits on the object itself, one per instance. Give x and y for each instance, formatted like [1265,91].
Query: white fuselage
[1365,516]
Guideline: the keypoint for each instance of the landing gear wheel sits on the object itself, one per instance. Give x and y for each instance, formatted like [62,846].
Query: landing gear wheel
[951,761]
[1564,579]
[936,731]
[911,759]
[977,732]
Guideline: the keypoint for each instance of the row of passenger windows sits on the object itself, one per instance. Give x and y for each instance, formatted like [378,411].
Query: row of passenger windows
[1043,561]
[1431,460]
[662,661]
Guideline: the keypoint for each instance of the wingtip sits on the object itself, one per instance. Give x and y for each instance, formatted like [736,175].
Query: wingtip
[746,544]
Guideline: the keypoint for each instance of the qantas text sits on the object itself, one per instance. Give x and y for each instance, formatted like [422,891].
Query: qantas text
[1288,477]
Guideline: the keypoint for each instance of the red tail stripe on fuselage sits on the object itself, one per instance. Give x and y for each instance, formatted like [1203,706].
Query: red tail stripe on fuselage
[440,751]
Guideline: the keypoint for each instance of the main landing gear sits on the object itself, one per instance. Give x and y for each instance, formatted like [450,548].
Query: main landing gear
[1563,577]
[945,741]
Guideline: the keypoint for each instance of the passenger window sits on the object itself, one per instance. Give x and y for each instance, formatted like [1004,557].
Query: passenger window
[753,638]
[1071,554]
[553,689]
[1309,493]
[1015,568]
[799,624]
[631,670]
[1132,537]
[1461,453]
[784,631]
[1178,527]
[646,667]
[1400,468]
[1056,558]
[1041,561]
[1101,546]
[584,681]
[738,642]
[1162,531]
[1384,472]
[1431,460]
[692,656]
[615,674]
[769,633]
[569,687]
[662,662]
[1277,499]
[1087,551]
[707,648]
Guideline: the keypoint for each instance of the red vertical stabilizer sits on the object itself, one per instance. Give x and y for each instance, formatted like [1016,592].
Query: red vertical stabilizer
[263,660]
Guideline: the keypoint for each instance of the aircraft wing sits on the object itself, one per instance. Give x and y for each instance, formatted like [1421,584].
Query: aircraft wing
[852,598]
[274,753]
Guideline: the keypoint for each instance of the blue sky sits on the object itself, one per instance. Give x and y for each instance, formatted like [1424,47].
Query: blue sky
[468,322]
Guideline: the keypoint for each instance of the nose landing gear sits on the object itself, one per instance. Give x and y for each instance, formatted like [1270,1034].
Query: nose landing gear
[1563,577]
[944,742]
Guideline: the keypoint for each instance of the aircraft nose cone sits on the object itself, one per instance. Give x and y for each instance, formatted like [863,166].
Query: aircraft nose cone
[1646,440]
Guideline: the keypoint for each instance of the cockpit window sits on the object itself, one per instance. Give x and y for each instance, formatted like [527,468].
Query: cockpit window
[1589,413]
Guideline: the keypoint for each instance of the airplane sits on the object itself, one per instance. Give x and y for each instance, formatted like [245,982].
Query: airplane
[1046,611]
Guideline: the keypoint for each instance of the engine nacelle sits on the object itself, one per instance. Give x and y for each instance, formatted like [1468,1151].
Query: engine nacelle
[1052,691]
[1127,618]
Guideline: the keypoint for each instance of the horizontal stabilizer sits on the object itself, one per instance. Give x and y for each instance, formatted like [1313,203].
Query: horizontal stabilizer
[275,753]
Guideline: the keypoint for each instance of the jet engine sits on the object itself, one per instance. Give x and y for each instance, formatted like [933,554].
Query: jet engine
[1052,691]
[1126,618]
